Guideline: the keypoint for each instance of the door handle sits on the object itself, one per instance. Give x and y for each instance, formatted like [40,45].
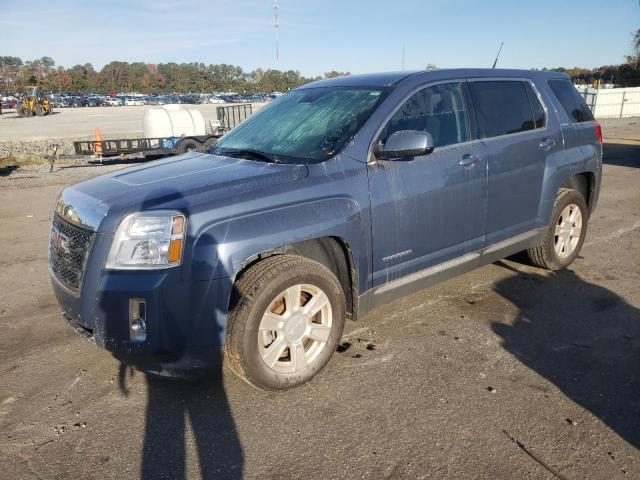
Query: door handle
[468,160]
[547,143]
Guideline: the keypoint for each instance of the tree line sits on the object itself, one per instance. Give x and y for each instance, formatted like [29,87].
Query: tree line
[15,74]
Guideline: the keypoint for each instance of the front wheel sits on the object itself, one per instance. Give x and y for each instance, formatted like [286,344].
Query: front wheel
[566,232]
[285,322]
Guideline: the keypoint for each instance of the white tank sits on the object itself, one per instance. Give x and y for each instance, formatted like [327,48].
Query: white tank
[172,121]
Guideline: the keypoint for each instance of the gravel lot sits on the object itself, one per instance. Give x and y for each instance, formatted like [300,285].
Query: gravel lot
[507,372]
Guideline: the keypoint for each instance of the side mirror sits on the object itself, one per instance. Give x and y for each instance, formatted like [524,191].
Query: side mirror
[405,143]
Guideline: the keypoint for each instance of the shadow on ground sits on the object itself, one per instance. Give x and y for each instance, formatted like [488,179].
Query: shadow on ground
[174,405]
[171,405]
[583,338]
[621,154]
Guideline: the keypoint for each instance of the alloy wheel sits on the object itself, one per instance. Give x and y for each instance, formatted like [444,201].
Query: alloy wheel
[295,328]
[568,229]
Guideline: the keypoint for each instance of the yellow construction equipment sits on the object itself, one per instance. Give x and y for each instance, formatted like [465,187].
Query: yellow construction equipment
[34,102]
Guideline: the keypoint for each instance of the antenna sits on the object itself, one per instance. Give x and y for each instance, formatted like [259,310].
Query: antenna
[497,56]
[403,58]
[275,26]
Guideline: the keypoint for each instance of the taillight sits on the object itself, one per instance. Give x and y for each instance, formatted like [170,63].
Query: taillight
[598,129]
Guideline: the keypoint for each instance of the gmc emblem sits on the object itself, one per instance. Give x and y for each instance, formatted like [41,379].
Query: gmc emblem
[59,240]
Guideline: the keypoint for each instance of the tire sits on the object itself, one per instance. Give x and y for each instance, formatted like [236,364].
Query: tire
[210,143]
[287,357]
[40,111]
[187,145]
[554,253]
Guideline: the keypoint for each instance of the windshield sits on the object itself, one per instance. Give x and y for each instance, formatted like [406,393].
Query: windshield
[309,125]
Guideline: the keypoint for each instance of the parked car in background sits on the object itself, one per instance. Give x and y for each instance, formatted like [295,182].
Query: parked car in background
[8,102]
[94,101]
[113,102]
[265,245]
[65,99]
[76,101]
[133,101]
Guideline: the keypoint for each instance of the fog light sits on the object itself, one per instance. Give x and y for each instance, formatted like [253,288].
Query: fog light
[137,319]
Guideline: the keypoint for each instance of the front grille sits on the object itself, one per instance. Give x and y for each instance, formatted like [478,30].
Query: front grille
[68,248]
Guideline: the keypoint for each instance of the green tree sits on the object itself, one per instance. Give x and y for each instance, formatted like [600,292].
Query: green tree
[83,78]
[61,80]
[9,72]
[113,76]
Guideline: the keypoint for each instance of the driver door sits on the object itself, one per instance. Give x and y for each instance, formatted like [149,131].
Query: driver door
[429,209]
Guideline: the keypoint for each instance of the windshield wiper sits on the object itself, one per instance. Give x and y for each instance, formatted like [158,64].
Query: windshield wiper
[267,157]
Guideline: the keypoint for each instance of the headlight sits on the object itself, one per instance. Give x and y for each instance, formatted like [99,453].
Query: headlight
[148,240]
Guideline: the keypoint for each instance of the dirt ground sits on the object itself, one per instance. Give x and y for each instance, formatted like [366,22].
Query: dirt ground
[508,372]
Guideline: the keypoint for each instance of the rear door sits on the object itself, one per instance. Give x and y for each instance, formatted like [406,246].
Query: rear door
[513,126]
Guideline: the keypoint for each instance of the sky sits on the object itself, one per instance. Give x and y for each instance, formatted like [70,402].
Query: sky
[316,36]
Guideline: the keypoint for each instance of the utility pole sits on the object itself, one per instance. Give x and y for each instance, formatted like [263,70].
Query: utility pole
[276,25]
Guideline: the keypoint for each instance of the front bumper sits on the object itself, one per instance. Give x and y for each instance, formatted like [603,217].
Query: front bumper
[181,316]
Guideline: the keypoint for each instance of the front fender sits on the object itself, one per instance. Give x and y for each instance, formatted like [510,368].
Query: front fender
[221,250]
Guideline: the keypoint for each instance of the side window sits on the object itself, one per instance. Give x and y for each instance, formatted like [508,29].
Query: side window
[571,101]
[503,107]
[439,110]
[536,106]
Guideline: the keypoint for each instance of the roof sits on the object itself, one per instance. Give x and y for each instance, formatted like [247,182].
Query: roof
[385,79]
[388,79]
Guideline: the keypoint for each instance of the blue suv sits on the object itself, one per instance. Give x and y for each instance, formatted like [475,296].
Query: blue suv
[338,197]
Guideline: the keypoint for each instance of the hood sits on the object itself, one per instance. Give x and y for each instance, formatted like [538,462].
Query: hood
[182,182]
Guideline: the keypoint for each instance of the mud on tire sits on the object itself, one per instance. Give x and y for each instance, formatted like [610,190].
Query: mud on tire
[253,298]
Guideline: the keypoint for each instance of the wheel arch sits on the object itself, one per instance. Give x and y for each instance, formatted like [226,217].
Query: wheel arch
[585,184]
[332,252]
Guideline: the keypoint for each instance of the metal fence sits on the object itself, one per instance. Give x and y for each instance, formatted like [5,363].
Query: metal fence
[612,102]
[231,115]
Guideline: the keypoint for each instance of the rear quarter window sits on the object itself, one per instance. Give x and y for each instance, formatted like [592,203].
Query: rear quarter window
[503,107]
[539,115]
[571,101]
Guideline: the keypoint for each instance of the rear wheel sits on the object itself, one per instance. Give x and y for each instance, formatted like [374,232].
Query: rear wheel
[566,232]
[285,323]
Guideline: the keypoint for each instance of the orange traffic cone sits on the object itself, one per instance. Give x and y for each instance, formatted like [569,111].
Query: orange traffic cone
[97,142]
